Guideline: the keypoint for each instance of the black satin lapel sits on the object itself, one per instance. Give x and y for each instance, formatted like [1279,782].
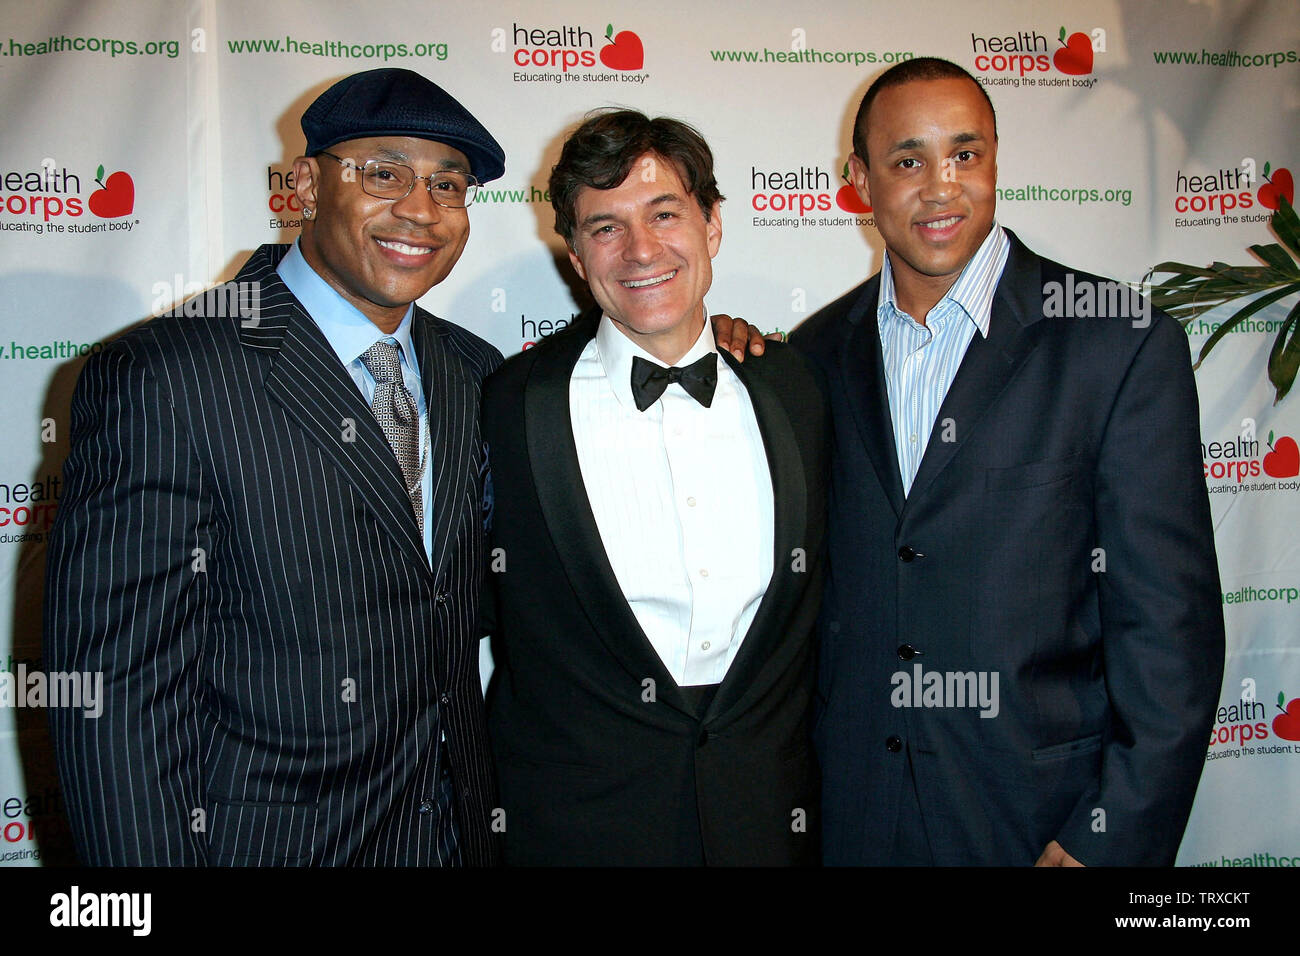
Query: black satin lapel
[791,551]
[863,367]
[548,429]
[452,402]
[308,381]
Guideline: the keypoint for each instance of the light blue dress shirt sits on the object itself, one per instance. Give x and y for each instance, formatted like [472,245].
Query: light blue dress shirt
[350,333]
[921,361]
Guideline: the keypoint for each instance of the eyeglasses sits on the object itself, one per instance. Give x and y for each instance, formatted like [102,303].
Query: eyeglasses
[394,181]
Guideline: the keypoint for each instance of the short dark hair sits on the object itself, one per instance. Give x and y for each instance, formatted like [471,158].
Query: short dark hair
[601,151]
[921,68]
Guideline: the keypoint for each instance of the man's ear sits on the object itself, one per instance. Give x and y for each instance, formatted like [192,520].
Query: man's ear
[714,229]
[577,263]
[306,181]
[859,178]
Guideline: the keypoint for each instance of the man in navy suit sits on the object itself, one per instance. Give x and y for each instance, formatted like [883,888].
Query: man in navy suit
[271,538]
[1022,640]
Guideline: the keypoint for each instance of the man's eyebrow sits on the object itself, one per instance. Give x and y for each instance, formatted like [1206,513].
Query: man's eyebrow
[918,142]
[597,217]
[397,156]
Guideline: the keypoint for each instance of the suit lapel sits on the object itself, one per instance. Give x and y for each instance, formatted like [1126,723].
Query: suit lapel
[764,642]
[553,453]
[863,366]
[989,364]
[452,403]
[307,380]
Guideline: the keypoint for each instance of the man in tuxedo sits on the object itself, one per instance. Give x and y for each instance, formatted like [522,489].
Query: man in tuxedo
[1022,641]
[271,538]
[651,697]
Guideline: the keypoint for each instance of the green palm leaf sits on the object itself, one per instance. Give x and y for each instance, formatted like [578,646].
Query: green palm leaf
[1191,290]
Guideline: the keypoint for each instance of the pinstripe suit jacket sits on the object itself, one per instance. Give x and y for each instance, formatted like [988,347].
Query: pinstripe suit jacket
[235,552]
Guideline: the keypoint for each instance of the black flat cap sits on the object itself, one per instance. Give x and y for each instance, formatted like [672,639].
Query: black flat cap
[400,103]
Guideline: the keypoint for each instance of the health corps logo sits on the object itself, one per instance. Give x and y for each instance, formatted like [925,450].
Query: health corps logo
[1280,183]
[1028,53]
[1287,724]
[1233,189]
[571,48]
[803,191]
[1248,720]
[1239,458]
[51,192]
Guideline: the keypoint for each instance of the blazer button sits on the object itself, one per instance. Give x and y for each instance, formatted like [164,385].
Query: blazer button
[907,554]
[906,652]
[893,744]
[426,806]
[442,597]
[445,699]
[705,734]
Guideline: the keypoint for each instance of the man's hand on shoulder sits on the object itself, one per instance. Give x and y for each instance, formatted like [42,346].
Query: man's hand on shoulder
[1055,855]
[731,334]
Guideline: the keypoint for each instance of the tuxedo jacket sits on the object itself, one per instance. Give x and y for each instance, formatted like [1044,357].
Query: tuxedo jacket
[601,758]
[1058,537]
[236,553]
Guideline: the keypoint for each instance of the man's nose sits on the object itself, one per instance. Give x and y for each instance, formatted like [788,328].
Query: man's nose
[941,184]
[642,244]
[418,204]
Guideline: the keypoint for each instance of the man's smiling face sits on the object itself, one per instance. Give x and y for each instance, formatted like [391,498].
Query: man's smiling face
[646,247]
[932,179]
[379,254]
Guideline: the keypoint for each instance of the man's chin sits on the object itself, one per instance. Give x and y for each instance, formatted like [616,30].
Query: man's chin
[404,293]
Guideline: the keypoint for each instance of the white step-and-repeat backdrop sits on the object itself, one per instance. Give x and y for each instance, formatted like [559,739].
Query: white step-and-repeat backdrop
[148,147]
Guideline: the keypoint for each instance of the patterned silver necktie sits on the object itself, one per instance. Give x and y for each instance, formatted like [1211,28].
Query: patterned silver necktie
[396,412]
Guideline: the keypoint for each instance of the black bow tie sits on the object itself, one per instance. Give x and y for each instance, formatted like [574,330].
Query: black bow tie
[649,380]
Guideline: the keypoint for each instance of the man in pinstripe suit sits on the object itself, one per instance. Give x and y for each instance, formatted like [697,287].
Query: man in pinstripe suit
[283,606]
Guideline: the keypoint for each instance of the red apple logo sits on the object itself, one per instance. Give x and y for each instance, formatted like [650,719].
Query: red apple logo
[624,52]
[1287,724]
[1278,185]
[1075,57]
[1284,459]
[847,198]
[116,198]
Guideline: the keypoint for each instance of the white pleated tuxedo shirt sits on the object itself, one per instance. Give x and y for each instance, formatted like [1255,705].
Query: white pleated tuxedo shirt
[682,496]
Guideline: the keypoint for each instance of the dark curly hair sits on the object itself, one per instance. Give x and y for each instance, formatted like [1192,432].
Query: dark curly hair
[601,151]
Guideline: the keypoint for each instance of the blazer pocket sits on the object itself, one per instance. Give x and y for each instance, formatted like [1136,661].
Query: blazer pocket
[251,833]
[1071,748]
[1032,475]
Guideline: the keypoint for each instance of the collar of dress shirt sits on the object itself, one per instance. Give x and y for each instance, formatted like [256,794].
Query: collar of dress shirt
[972,292]
[345,327]
[615,351]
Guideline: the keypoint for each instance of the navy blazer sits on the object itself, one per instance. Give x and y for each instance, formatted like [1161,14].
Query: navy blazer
[1060,540]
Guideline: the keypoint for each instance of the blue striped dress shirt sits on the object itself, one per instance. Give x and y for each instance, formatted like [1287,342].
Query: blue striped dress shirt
[921,361]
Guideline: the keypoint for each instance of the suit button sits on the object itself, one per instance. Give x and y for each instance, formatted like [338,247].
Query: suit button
[906,554]
[426,806]
[442,597]
[445,699]
[893,744]
[906,652]
[705,734]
